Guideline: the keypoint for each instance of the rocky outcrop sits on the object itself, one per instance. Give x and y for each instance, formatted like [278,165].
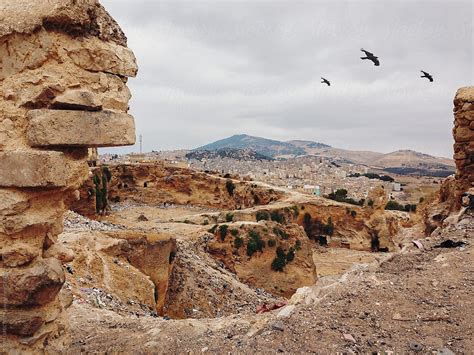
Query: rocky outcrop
[155,183]
[463,133]
[63,70]
[249,249]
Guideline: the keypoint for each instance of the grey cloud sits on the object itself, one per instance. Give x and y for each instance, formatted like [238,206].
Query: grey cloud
[211,69]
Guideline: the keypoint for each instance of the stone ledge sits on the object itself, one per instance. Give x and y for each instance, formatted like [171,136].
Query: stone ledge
[38,169]
[80,128]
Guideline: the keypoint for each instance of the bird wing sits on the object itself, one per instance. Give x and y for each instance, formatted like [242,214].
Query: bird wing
[424,73]
[375,60]
[367,53]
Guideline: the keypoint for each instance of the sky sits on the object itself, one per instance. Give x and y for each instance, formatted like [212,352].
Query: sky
[211,69]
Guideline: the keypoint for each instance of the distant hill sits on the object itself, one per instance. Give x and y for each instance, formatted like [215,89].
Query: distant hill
[404,162]
[268,147]
[231,153]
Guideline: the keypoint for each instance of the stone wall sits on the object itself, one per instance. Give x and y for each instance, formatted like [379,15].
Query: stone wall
[463,133]
[63,71]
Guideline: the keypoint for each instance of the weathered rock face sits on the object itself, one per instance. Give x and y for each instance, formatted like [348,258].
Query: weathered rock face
[155,183]
[63,69]
[463,133]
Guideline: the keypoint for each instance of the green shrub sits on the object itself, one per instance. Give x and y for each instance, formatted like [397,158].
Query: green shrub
[238,242]
[394,206]
[229,217]
[255,243]
[280,233]
[205,222]
[278,264]
[298,245]
[370,203]
[410,207]
[234,232]
[290,256]
[277,217]
[353,213]
[271,243]
[262,216]
[223,231]
[230,186]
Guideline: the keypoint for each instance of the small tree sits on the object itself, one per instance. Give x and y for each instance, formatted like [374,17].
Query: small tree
[229,217]
[223,231]
[290,256]
[230,186]
[262,216]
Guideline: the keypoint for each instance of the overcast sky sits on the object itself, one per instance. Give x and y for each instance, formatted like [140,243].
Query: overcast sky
[208,70]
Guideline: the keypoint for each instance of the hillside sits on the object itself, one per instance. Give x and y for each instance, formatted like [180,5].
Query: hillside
[231,153]
[404,162]
[268,147]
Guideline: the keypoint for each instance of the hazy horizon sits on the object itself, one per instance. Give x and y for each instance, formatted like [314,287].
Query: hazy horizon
[209,70]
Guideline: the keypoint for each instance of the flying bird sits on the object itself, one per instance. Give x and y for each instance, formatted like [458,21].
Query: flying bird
[370,56]
[325,81]
[427,76]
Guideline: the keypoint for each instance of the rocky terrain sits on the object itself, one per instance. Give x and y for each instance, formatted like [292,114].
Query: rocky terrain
[165,259]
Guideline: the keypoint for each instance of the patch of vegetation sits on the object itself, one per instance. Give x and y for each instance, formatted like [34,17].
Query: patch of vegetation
[298,245]
[271,243]
[370,203]
[276,216]
[255,243]
[280,233]
[353,213]
[315,228]
[238,242]
[223,231]
[234,232]
[101,193]
[340,195]
[290,256]
[279,263]
[229,217]
[374,176]
[205,222]
[262,216]
[395,206]
[230,186]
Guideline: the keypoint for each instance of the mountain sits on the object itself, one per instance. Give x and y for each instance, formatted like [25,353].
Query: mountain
[231,153]
[268,147]
[405,162]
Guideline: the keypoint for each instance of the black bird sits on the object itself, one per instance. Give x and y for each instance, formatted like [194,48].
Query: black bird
[325,81]
[370,56]
[427,76]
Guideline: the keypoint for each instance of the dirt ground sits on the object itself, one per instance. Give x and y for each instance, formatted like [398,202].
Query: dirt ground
[417,301]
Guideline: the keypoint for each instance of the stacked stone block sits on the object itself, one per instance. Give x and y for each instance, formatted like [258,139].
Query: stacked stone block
[63,71]
[463,133]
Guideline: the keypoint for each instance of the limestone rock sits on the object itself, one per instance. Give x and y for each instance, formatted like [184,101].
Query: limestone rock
[18,255]
[33,286]
[77,100]
[80,128]
[38,168]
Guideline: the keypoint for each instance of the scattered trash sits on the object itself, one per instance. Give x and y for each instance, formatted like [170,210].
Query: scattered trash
[450,244]
[69,269]
[415,346]
[348,337]
[267,308]
[418,244]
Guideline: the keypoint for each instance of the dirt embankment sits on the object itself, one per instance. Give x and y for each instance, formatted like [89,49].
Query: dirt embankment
[154,184]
